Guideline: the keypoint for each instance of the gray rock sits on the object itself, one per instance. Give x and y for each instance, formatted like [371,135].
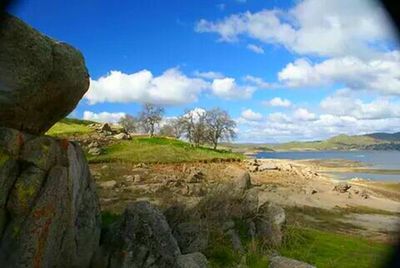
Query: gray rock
[267,166]
[141,238]
[49,211]
[122,136]
[269,222]
[42,80]
[192,260]
[342,187]
[235,240]
[283,262]
[108,184]
[105,128]
[191,237]
[95,151]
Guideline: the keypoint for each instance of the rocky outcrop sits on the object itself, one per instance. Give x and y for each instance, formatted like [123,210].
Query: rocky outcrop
[141,238]
[42,80]
[283,262]
[49,211]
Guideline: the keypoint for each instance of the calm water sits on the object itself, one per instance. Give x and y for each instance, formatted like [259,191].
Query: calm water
[375,159]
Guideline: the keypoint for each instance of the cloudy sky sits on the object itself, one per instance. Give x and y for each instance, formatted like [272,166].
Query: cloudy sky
[285,70]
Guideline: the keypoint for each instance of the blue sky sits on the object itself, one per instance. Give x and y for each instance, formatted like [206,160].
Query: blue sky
[285,70]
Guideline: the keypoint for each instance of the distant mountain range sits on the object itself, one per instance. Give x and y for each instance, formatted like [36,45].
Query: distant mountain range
[373,141]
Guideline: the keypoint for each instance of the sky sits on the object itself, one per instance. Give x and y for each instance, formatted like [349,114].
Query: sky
[284,70]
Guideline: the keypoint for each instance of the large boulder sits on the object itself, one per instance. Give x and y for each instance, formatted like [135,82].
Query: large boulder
[49,212]
[141,238]
[41,80]
[283,262]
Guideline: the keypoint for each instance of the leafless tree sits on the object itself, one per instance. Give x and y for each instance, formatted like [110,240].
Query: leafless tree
[219,126]
[172,128]
[150,116]
[194,126]
[129,123]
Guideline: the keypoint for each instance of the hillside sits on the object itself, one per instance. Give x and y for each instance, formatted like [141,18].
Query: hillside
[138,149]
[374,141]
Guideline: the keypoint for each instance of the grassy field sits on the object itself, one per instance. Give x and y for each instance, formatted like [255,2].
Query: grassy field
[69,127]
[160,150]
[142,149]
[328,249]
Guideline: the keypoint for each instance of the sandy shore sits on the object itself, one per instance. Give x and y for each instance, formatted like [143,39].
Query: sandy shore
[372,206]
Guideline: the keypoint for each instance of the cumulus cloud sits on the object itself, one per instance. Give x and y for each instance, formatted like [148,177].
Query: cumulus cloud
[303,114]
[255,48]
[319,27]
[279,102]
[344,103]
[250,115]
[170,88]
[381,74]
[104,117]
[227,88]
[258,82]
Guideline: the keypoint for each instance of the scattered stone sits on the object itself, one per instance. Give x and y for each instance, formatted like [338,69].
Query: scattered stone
[235,240]
[192,260]
[93,144]
[230,224]
[95,151]
[105,128]
[128,178]
[342,187]
[196,176]
[283,262]
[191,237]
[42,80]
[137,178]
[122,136]
[267,166]
[364,194]
[108,184]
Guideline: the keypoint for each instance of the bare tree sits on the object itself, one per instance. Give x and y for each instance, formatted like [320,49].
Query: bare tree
[172,128]
[129,123]
[194,126]
[150,116]
[220,126]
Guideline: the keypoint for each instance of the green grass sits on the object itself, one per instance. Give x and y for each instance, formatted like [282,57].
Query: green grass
[328,249]
[69,127]
[160,150]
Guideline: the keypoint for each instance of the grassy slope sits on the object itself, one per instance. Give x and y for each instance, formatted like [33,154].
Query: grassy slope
[142,149]
[69,127]
[160,150]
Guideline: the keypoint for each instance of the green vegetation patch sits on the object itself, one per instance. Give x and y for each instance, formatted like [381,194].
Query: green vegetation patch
[160,150]
[328,249]
[69,127]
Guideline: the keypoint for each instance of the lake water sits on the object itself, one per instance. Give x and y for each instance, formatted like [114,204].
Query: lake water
[388,160]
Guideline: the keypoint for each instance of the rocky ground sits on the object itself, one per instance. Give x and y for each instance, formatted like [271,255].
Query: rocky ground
[370,210]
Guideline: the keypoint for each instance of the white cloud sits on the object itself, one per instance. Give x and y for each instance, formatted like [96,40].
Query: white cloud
[255,48]
[341,113]
[170,88]
[381,74]
[319,27]
[104,117]
[345,104]
[303,114]
[208,75]
[250,115]
[279,102]
[227,88]
[258,82]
